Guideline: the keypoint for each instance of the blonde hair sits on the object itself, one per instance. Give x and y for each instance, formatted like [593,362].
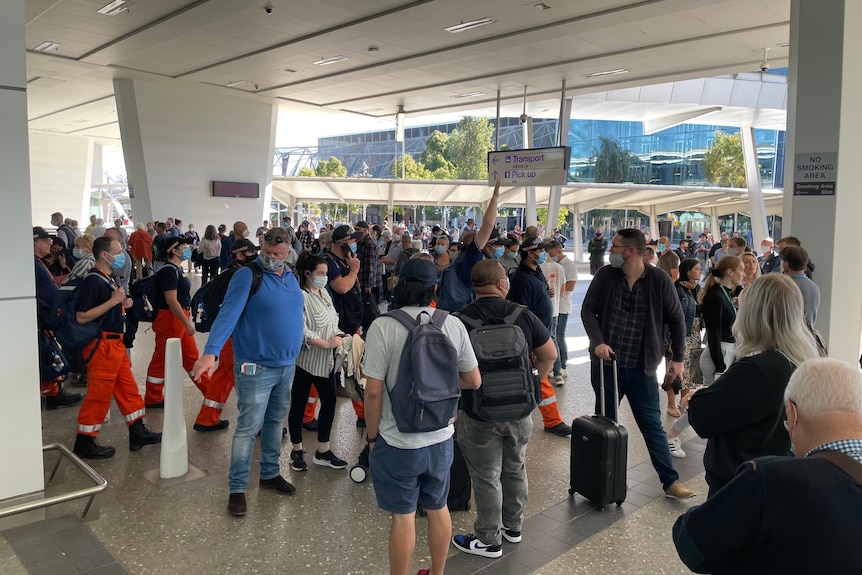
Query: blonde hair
[85,241]
[724,265]
[771,316]
[825,384]
[757,272]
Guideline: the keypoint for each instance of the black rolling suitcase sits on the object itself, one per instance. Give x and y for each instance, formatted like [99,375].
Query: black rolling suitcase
[460,485]
[599,452]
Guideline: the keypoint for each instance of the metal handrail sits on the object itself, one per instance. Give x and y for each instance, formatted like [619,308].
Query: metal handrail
[90,511]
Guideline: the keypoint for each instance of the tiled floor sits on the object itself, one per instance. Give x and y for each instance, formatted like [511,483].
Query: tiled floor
[332,525]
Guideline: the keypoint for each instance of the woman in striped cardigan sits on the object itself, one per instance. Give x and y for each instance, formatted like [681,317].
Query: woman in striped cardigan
[315,363]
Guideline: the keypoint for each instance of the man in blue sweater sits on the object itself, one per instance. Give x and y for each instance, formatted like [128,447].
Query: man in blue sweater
[266,341]
[784,514]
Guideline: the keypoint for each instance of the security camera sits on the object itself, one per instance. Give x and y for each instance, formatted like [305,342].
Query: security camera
[524,118]
[269,9]
[764,67]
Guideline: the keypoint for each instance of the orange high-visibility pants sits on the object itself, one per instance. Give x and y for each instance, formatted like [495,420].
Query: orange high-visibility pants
[548,405]
[166,326]
[311,405]
[50,388]
[109,374]
[219,388]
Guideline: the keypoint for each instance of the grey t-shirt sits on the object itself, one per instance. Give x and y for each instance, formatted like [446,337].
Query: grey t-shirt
[385,341]
[810,297]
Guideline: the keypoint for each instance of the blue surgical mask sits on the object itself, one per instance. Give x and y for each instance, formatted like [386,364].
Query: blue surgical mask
[353,248]
[119,261]
[498,253]
[440,249]
[78,253]
[616,260]
[543,257]
[659,248]
[187,254]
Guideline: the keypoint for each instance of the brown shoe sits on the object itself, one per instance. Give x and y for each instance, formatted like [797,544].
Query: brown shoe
[678,491]
[279,484]
[236,504]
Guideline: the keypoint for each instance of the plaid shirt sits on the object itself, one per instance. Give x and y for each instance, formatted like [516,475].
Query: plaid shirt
[849,447]
[626,338]
[306,238]
[370,274]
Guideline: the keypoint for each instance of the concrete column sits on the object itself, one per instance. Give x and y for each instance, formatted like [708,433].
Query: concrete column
[20,421]
[553,209]
[827,82]
[714,224]
[530,218]
[577,237]
[177,141]
[653,224]
[61,170]
[755,186]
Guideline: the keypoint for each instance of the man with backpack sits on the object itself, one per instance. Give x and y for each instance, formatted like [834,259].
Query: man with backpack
[411,439]
[454,291]
[494,422]
[222,381]
[109,371]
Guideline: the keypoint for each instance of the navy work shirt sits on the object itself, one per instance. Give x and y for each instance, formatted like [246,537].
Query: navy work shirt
[528,287]
[96,288]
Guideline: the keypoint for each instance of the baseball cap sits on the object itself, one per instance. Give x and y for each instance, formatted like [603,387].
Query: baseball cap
[345,231]
[362,224]
[243,245]
[418,272]
[500,241]
[436,229]
[39,233]
[531,243]
[171,243]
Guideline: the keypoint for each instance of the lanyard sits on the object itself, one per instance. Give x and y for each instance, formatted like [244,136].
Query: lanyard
[726,293]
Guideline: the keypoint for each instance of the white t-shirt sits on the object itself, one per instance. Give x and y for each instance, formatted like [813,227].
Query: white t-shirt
[383,346]
[571,273]
[556,280]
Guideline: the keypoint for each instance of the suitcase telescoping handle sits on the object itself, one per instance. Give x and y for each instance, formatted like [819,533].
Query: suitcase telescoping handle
[602,385]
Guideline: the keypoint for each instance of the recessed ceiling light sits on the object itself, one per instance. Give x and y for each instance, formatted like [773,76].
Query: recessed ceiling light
[290,70]
[784,45]
[542,6]
[331,60]
[235,83]
[115,7]
[373,49]
[607,73]
[454,29]
[469,95]
[45,46]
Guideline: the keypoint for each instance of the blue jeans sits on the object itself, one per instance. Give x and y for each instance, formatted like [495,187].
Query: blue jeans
[642,391]
[262,400]
[553,330]
[563,356]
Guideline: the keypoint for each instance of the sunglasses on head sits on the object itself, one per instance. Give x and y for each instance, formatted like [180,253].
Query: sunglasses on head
[274,239]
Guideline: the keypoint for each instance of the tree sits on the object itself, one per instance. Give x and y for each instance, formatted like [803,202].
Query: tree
[307,172]
[542,217]
[434,157]
[413,170]
[724,163]
[611,161]
[331,168]
[468,146]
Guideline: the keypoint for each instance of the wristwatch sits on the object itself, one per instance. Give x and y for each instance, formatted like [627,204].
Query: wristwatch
[370,440]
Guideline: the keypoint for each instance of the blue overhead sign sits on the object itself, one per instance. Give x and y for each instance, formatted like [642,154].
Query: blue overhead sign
[534,167]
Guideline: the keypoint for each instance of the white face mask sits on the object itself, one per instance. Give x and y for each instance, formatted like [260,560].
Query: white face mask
[319,281]
[732,251]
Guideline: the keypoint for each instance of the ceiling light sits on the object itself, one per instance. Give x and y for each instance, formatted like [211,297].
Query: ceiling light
[290,70]
[115,7]
[331,60]
[373,49]
[235,83]
[541,6]
[784,45]
[607,73]
[469,95]
[45,46]
[468,25]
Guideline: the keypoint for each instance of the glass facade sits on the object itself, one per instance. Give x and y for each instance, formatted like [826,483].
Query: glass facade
[670,157]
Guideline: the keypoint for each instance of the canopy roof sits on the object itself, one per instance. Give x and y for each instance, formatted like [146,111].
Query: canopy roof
[584,196]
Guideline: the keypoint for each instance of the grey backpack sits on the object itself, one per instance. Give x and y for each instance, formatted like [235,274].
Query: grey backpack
[509,388]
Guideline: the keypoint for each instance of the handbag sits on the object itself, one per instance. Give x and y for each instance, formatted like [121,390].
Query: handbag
[392,281]
[52,360]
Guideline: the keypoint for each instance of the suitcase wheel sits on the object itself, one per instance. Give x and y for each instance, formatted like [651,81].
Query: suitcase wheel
[358,473]
[571,491]
[619,503]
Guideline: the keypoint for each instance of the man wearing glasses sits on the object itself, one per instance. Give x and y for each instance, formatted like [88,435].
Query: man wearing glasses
[784,514]
[266,341]
[625,311]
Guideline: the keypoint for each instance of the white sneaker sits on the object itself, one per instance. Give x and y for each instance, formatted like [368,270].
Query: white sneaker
[675,448]
[564,373]
[559,380]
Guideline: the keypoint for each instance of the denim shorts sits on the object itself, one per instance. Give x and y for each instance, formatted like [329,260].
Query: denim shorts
[403,477]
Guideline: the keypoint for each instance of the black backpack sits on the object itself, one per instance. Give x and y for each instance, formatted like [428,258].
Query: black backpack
[145,296]
[64,322]
[207,301]
[426,393]
[510,390]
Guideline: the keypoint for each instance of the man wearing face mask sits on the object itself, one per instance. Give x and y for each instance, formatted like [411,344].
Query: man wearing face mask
[240,230]
[769,260]
[570,273]
[528,287]
[771,498]
[109,372]
[624,312]
[597,248]
[267,338]
[173,292]
[370,274]
[735,246]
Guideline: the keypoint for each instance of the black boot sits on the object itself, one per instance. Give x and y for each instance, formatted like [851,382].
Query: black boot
[140,435]
[63,399]
[86,447]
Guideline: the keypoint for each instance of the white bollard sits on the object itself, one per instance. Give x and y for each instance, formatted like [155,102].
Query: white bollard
[175,449]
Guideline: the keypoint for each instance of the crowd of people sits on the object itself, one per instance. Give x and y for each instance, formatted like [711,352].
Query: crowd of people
[649,305]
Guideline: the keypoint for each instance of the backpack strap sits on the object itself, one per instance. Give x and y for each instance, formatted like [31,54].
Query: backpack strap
[403,318]
[514,314]
[844,462]
[439,317]
[256,279]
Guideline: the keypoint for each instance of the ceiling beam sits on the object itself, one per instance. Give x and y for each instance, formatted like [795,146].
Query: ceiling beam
[587,205]
[331,190]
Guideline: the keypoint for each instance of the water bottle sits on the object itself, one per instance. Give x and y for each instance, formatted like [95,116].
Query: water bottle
[200,313]
[147,305]
[58,364]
